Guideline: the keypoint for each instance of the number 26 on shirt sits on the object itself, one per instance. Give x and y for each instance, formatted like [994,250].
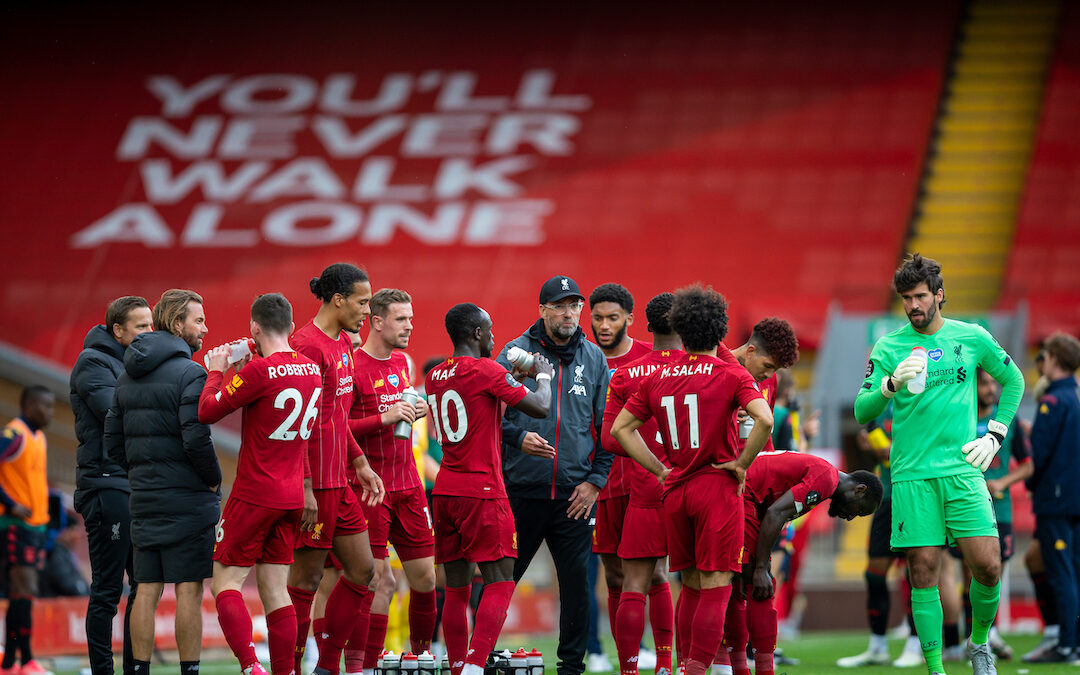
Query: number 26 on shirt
[292,397]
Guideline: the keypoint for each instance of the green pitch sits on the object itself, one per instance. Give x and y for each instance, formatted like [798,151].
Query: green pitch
[817,653]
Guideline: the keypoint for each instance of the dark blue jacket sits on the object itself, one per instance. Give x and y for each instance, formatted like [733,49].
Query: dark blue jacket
[93,381]
[1055,445]
[578,394]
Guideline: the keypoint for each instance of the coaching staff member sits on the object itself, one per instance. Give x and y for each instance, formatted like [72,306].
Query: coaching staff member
[555,466]
[102,490]
[153,431]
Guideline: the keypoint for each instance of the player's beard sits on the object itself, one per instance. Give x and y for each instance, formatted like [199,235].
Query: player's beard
[926,318]
[615,341]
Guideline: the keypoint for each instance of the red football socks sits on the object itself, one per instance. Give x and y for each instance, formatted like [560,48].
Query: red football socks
[421,619]
[613,610]
[708,628]
[662,618]
[761,620]
[631,622]
[684,620]
[490,616]
[301,600]
[281,636]
[318,629]
[347,605]
[455,619]
[373,643]
[733,647]
[236,625]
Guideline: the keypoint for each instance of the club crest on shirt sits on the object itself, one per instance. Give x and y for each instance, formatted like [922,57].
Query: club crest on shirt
[316,534]
[579,373]
[392,378]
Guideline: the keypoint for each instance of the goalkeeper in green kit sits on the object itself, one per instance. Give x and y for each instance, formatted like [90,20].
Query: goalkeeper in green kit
[939,493]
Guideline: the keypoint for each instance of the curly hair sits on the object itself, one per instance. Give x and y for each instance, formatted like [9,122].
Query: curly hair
[612,293]
[776,338]
[656,313]
[915,270]
[699,315]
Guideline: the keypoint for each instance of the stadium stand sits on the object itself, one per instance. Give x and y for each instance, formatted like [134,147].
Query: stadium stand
[1044,265]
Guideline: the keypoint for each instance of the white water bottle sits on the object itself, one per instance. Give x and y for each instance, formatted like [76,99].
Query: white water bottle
[520,358]
[403,429]
[918,384]
[238,351]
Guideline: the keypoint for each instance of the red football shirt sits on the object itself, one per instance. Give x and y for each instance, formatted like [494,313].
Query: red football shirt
[811,479]
[466,396]
[767,388]
[378,384]
[331,447]
[618,483]
[693,400]
[645,489]
[280,397]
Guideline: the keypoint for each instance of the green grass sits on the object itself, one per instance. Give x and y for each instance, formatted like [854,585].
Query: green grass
[817,653]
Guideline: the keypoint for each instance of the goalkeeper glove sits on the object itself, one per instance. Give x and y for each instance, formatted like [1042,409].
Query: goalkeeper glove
[904,373]
[980,452]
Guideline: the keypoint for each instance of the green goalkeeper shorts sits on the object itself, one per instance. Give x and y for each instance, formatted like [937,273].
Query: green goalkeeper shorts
[938,511]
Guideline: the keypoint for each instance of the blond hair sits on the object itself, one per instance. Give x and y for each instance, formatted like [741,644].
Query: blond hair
[173,307]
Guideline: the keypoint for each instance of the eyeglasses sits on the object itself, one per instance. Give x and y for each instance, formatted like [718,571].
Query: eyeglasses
[573,307]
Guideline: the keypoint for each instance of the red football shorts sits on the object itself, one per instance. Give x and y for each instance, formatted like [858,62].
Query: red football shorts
[403,519]
[752,527]
[339,514]
[248,534]
[609,524]
[644,533]
[473,529]
[705,523]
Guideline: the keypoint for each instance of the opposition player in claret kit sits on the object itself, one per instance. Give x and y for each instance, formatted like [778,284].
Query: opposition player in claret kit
[340,525]
[939,494]
[694,400]
[467,395]
[782,486]
[271,498]
[642,547]
[402,518]
[612,311]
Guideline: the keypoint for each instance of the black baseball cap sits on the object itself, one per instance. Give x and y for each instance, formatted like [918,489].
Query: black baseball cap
[559,287]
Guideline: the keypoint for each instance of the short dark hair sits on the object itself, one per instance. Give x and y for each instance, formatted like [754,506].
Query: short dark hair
[337,278]
[785,381]
[915,270]
[699,315]
[461,319]
[656,313]
[120,308]
[776,338]
[1065,349]
[432,363]
[875,491]
[612,292]
[384,297]
[273,313]
[33,391]
[173,307]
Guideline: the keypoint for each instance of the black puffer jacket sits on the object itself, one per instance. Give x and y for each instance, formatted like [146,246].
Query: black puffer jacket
[93,380]
[153,430]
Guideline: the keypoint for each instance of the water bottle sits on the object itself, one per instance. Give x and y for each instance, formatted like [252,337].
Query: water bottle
[745,427]
[519,662]
[409,664]
[425,663]
[391,663]
[918,384]
[520,358]
[237,352]
[403,429]
[536,662]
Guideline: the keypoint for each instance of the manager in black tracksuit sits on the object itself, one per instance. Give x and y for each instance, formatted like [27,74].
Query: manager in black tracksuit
[554,467]
[101,485]
[153,431]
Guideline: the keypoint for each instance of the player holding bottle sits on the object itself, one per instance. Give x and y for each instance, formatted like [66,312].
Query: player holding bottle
[473,523]
[693,401]
[279,392]
[939,493]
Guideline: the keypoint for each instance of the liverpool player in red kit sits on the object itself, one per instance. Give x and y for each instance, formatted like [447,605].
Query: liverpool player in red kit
[693,401]
[279,392]
[643,543]
[612,309]
[473,522]
[781,486]
[340,525]
[382,374]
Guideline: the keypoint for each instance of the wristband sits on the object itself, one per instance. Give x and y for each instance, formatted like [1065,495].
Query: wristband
[543,377]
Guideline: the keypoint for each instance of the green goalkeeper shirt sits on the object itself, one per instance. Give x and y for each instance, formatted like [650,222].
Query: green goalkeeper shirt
[930,428]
